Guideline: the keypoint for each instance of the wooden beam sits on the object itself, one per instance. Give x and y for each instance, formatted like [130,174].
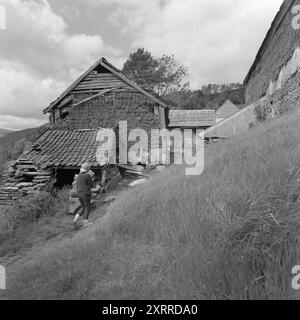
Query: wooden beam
[93,97]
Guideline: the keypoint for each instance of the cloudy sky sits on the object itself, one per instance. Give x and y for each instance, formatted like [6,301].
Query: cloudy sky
[48,43]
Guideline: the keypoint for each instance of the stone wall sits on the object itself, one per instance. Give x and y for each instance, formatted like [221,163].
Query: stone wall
[236,124]
[283,100]
[277,51]
[106,112]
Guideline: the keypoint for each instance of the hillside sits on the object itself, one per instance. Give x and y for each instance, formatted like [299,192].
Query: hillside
[13,143]
[4,132]
[231,233]
[12,137]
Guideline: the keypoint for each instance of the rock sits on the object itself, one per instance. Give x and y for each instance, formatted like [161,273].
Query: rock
[137,183]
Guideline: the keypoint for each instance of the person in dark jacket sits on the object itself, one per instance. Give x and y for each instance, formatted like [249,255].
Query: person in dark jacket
[84,192]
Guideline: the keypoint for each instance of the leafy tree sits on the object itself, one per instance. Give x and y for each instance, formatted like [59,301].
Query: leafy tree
[162,75]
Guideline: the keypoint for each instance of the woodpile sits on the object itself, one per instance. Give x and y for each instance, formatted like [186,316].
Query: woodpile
[21,179]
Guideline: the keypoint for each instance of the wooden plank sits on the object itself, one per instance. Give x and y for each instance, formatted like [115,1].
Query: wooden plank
[72,86]
[102,76]
[23,167]
[101,79]
[90,98]
[100,83]
[138,173]
[94,91]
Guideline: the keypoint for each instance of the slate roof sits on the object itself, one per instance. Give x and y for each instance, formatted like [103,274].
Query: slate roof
[192,118]
[72,148]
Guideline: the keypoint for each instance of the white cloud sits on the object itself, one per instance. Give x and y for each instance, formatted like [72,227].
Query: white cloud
[216,39]
[22,94]
[39,57]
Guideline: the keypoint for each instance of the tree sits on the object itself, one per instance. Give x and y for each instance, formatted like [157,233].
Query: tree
[218,88]
[162,75]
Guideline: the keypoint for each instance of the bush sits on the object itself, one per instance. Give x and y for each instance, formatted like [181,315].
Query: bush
[262,112]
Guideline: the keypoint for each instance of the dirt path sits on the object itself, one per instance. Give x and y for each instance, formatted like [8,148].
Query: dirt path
[98,220]
[98,217]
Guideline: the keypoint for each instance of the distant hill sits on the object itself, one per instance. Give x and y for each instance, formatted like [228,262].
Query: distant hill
[3,132]
[27,135]
[12,144]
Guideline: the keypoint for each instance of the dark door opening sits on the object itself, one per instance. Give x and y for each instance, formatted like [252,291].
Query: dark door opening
[65,177]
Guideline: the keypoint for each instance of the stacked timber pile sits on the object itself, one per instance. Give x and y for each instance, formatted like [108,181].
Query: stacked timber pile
[23,178]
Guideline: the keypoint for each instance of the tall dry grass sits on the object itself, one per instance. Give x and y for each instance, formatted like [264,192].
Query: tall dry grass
[30,219]
[231,233]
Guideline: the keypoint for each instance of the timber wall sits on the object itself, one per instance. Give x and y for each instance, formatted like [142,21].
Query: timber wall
[106,112]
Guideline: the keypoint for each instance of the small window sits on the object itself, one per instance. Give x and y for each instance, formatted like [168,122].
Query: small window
[64,114]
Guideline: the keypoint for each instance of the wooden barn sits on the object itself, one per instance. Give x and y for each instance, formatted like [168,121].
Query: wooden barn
[93,105]
[103,96]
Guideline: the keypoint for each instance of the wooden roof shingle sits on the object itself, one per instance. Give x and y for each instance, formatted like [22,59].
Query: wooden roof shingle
[72,148]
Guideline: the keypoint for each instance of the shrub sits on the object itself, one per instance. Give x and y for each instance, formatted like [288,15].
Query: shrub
[261,113]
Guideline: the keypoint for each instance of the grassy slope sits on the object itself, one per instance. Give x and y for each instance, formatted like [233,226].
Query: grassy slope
[230,233]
